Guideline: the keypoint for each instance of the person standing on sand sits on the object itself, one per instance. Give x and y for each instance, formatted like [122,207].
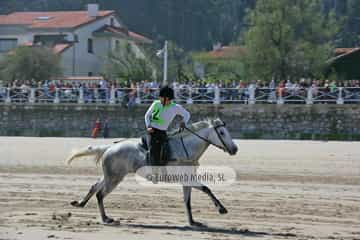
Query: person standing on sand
[97,128]
[106,129]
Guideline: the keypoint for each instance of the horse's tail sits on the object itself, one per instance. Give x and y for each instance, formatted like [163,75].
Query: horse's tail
[96,151]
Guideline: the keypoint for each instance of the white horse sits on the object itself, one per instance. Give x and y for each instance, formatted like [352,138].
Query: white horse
[127,157]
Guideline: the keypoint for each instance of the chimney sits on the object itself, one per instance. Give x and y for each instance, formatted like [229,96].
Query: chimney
[93,9]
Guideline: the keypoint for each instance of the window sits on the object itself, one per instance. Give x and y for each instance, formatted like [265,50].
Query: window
[7,44]
[117,44]
[90,46]
[76,38]
[90,74]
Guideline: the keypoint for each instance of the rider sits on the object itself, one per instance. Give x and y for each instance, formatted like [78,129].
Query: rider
[157,120]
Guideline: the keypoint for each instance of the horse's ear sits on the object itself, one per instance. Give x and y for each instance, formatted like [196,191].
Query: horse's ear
[217,122]
[209,121]
[221,121]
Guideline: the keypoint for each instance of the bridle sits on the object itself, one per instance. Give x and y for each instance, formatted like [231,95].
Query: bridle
[206,140]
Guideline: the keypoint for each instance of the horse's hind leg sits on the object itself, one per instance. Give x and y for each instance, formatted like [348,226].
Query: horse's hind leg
[108,187]
[94,189]
[205,189]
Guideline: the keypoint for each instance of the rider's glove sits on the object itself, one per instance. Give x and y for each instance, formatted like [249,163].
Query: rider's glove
[182,125]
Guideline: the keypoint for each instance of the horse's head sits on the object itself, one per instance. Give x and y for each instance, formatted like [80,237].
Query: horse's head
[221,137]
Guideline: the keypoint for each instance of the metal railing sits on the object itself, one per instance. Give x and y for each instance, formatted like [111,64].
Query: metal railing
[188,95]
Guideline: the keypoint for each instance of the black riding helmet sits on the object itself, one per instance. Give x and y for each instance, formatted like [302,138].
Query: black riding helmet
[167,92]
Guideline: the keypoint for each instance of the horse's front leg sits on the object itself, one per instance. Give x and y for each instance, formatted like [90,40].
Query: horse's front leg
[187,201]
[218,204]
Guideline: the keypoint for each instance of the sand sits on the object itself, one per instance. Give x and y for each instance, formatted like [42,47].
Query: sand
[284,190]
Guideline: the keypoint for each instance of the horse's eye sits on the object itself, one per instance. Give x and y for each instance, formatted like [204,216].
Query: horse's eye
[221,133]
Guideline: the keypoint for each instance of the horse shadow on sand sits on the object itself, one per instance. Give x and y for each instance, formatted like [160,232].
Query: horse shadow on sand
[207,229]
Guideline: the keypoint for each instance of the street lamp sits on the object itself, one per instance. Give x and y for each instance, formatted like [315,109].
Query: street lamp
[164,53]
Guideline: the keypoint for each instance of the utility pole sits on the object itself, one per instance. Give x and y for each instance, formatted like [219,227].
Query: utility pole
[165,63]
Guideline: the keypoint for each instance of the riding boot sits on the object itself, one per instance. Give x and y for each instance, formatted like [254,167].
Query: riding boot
[157,139]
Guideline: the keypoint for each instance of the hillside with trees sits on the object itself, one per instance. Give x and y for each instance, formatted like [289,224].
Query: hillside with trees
[193,25]
[282,38]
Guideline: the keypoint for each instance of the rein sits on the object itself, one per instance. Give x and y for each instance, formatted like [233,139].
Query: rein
[206,140]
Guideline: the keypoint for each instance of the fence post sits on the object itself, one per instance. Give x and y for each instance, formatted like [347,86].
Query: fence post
[189,100]
[8,98]
[32,95]
[112,95]
[280,100]
[81,95]
[252,99]
[138,95]
[340,99]
[96,95]
[217,95]
[309,99]
[272,96]
[57,98]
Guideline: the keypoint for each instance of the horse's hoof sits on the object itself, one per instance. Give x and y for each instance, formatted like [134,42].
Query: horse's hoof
[223,210]
[197,224]
[76,204]
[111,222]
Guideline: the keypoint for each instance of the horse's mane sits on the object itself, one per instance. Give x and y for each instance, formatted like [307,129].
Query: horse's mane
[206,123]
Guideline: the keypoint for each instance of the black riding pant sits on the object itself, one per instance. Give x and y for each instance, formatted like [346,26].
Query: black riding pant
[157,140]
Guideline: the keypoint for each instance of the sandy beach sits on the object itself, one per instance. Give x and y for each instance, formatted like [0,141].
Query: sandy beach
[284,190]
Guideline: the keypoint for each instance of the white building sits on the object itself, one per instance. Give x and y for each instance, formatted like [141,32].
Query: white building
[82,38]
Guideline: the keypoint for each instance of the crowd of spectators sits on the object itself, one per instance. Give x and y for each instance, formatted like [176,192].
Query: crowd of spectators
[200,91]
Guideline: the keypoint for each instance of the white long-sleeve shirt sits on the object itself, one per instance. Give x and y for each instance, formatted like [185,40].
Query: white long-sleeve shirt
[160,117]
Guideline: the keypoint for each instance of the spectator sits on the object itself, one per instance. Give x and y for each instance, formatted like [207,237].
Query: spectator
[281,89]
[106,129]
[97,128]
[272,94]
[132,95]
[272,84]
[333,86]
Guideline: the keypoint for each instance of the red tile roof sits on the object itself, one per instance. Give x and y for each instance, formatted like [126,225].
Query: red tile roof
[27,44]
[343,50]
[113,29]
[124,31]
[227,52]
[139,37]
[59,19]
[59,48]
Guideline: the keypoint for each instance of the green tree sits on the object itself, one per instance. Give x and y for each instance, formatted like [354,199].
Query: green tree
[229,65]
[124,64]
[350,34]
[180,64]
[289,39]
[30,63]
